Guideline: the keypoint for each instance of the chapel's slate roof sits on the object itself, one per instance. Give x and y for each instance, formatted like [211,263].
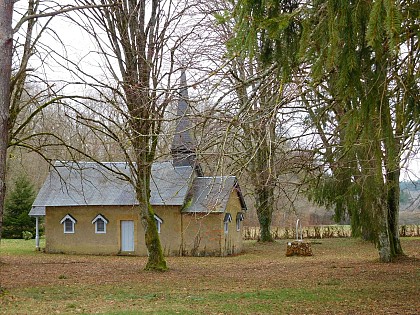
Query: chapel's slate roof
[37,211]
[86,183]
[211,194]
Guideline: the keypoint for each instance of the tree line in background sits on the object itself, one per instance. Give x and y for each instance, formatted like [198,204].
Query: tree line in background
[296,98]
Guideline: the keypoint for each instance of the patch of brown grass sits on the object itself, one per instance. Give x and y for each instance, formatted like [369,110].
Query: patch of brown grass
[343,277]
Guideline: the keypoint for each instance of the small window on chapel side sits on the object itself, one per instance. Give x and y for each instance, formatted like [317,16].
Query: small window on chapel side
[159,222]
[226,220]
[68,222]
[100,224]
[239,218]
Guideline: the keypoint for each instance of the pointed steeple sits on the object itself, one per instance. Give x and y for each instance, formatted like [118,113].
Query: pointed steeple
[184,145]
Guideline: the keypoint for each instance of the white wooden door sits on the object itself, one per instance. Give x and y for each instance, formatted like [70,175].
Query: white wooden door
[127,236]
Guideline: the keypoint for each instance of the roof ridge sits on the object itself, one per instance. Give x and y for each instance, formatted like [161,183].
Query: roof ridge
[220,176]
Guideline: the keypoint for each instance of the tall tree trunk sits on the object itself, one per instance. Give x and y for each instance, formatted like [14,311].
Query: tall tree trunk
[156,260]
[392,136]
[264,189]
[384,245]
[393,187]
[6,43]
[264,206]
[383,237]
[144,145]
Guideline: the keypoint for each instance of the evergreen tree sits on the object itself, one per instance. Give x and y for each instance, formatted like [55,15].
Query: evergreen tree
[17,206]
[367,90]
[362,99]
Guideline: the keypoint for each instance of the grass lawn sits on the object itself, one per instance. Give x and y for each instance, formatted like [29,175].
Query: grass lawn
[19,247]
[343,277]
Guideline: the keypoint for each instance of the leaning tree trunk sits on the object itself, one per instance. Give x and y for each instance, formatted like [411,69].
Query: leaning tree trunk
[156,260]
[6,43]
[144,145]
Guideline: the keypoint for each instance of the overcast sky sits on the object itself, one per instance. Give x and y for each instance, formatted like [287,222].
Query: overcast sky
[77,46]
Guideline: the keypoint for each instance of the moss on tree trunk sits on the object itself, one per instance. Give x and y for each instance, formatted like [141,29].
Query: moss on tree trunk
[264,205]
[156,261]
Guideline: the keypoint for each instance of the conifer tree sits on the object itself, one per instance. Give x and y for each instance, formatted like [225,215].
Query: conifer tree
[17,206]
[357,53]
[362,99]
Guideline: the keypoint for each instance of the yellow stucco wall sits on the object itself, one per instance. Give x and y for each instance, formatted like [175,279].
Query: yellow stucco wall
[186,234]
[84,240]
[232,241]
[203,234]
[170,234]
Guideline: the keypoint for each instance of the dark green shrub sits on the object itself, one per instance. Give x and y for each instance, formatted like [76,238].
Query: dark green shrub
[17,206]
[26,235]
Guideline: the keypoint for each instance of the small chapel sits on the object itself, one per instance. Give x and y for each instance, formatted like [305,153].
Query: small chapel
[89,209]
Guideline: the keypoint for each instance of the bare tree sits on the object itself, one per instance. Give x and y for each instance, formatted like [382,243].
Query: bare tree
[247,119]
[138,41]
[18,106]
[6,44]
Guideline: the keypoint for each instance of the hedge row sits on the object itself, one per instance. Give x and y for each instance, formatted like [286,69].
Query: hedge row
[318,232]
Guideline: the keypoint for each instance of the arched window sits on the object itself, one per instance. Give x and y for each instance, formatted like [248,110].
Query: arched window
[226,220]
[159,221]
[68,222]
[239,218]
[100,224]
